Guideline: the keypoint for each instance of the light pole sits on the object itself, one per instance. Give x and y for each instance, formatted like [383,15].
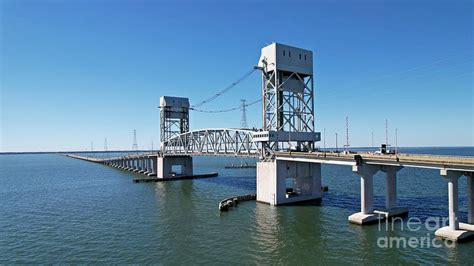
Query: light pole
[396,140]
[372,141]
[324,140]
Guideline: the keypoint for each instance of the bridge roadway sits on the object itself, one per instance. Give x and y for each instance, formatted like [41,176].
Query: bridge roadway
[452,163]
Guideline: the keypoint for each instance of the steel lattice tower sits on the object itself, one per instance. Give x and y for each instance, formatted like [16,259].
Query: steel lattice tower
[347,135]
[287,94]
[243,120]
[174,118]
[135,144]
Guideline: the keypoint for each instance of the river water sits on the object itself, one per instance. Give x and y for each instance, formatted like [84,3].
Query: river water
[58,209]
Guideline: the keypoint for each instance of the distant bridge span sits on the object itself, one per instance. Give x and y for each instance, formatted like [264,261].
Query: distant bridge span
[214,141]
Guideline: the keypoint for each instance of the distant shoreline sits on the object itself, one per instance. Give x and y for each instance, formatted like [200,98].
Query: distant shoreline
[129,151]
[61,152]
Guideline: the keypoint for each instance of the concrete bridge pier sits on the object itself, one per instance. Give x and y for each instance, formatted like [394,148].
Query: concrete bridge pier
[147,165]
[282,182]
[171,166]
[391,208]
[134,164]
[153,165]
[366,214]
[457,231]
[142,163]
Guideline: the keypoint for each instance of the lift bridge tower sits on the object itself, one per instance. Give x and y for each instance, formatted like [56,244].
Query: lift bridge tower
[174,117]
[288,124]
[287,99]
[174,120]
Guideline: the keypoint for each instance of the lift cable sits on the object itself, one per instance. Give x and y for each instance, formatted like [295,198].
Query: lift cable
[226,89]
[225,110]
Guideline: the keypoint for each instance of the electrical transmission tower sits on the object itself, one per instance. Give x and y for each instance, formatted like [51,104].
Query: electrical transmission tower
[106,149]
[135,145]
[105,145]
[347,136]
[243,120]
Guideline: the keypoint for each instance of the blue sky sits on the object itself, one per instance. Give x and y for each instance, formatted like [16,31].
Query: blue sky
[73,72]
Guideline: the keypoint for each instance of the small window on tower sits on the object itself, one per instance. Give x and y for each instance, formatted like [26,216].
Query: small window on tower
[304,57]
[289,53]
[283,52]
[300,56]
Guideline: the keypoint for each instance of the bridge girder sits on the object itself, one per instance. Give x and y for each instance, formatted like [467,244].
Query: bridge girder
[216,141]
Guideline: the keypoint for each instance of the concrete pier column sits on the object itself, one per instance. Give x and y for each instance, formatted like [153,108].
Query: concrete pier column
[391,189]
[391,208]
[470,198]
[154,162]
[148,165]
[140,164]
[144,165]
[288,182]
[455,231]
[367,194]
[143,168]
[366,215]
[453,195]
[170,166]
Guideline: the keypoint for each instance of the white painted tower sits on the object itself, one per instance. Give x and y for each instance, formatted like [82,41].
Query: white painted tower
[288,123]
[287,97]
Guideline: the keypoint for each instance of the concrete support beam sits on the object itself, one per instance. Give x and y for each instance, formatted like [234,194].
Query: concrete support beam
[455,231]
[366,214]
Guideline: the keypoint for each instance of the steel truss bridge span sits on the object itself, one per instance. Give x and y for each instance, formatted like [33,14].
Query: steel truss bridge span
[214,141]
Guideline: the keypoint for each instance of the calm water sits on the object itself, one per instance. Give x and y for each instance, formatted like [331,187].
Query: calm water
[58,209]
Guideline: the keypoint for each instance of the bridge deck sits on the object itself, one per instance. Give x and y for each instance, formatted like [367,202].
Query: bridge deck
[458,163]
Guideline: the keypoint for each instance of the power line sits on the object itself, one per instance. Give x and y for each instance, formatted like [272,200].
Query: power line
[226,89]
[225,110]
